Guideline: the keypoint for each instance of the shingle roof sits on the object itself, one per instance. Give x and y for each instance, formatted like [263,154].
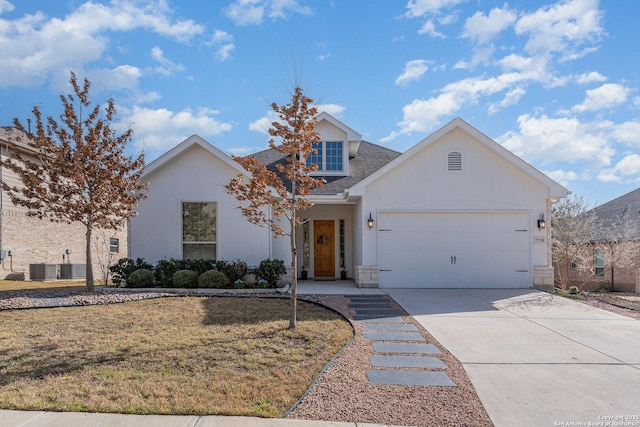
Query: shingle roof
[625,207]
[369,159]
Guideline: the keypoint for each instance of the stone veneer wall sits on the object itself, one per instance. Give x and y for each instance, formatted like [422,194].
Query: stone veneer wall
[35,241]
[543,278]
[366,276]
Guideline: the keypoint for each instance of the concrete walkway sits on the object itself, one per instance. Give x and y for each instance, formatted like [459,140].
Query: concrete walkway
[536,359]
[82,419]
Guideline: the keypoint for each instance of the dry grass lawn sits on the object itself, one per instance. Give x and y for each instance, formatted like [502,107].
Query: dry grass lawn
[26,285]
[228,356]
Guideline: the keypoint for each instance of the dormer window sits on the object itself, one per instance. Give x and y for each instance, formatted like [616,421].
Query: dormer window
[329,156]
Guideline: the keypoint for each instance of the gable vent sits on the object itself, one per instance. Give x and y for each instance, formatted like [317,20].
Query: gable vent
[454,161]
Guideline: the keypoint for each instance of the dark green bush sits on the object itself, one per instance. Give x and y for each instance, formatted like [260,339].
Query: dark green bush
[574,290]
[142,278]
[270,270]
[121,271]
[166,268]
[213,279]
[605,287]
[235,270]
[185,279]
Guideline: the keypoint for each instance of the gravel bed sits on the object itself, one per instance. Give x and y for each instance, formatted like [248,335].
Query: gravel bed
[13,300]
[623,304]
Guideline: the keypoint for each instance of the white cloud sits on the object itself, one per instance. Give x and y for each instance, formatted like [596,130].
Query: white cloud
[511,98]
[627,132]
[245,12]
[548,140]
[252,12]
[413,71]
[120,77]
[167,67]
[333,109]
[562,27]
[592,77]
[422,115]
[158,130]
[483,28]
[33,46]
[223,43]
[562,177]
[606,96]
[280,8]
[626,170]
[5,6]
[418,8]
[263,124]
[430,28]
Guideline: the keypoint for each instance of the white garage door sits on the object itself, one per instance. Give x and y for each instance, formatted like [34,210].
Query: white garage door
[454,250]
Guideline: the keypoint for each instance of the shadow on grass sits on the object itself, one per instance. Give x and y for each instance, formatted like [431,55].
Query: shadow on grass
[255,310]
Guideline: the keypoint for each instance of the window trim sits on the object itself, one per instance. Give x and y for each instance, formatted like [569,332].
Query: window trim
[114,248]
[598,255]
[345,158]
[181,231]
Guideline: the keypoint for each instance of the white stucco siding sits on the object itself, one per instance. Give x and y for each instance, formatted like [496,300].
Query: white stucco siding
[488,182]
[195,175]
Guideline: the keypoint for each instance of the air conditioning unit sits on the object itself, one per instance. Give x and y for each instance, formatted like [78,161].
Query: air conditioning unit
[43,272]
[73,271]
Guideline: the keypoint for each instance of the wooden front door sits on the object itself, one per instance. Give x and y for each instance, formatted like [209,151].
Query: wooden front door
[323,248]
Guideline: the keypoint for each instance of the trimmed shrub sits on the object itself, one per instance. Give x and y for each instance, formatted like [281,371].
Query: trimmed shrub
[142,278]
[185,279]
[605,287]
[166,268]
[213,279]
[574,290]
[121,271]
[235,270]
[270,270]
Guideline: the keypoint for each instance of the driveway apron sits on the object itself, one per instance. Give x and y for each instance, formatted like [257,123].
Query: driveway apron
[536,359]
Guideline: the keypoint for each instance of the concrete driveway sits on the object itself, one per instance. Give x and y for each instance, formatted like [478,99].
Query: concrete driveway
[536,359]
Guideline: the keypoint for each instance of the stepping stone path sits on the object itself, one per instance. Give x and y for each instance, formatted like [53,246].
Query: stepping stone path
[403,357]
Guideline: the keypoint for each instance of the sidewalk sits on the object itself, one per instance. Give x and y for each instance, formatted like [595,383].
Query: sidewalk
[82,419]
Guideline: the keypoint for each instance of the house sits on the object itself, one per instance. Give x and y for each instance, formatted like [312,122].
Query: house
[614,256]
[455,210]
[36,249]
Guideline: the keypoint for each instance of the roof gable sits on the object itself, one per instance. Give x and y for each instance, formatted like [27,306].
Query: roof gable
[193,140]
[555,189]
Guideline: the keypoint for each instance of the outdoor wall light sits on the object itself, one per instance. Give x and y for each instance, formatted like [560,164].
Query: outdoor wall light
[370,221]
[542,224]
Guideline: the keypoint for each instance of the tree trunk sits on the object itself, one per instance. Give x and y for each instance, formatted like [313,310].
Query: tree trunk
[294,278]
[89,264]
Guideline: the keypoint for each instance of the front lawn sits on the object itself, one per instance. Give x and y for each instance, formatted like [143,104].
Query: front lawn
[227,356]
[27,285]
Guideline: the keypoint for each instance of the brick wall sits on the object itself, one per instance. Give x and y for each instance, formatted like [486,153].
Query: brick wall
[34,241]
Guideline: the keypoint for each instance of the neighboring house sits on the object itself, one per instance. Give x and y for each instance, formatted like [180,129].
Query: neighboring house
[615,254]
[457,210]
[27,240]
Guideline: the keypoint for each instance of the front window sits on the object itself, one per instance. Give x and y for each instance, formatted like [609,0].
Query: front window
[199,234]
[599,261]
[114,245]
[329,156]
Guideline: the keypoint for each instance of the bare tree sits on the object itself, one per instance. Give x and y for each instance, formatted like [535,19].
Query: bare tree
[285,193]
[618,236]
[572,233]
[81,173]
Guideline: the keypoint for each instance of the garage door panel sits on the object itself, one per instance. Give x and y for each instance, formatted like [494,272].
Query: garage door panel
[491,250]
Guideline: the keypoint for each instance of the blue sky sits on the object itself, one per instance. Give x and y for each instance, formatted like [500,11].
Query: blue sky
[554,82]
